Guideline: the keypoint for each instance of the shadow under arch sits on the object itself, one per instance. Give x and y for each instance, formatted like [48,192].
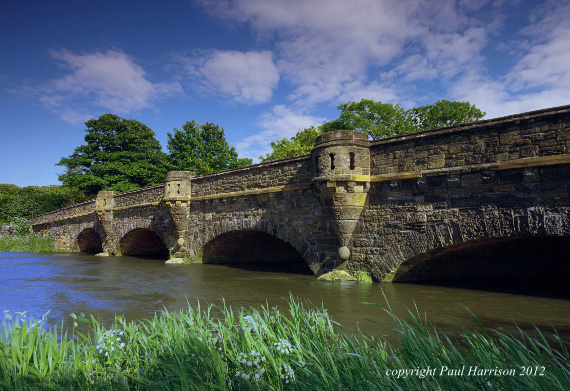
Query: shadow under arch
[540,264]
[143,242]
[89,241]
[254,249]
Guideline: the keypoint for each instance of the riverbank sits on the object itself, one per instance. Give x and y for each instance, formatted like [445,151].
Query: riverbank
[26,243]
[267,348]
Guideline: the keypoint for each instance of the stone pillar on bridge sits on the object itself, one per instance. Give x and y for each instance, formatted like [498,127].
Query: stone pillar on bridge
[104,204]
[341,180]
[177,194]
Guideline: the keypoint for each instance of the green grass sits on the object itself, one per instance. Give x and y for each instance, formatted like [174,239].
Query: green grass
[266,348]
[26,243]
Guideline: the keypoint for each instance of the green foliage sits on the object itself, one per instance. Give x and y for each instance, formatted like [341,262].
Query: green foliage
[381,120]
[26,243]
[21,226]
[202,149]
[119,154]
[444,113]
[30,201]
[267,349]
[302,144]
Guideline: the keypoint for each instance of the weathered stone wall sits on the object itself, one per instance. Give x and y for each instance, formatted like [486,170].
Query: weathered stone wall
[540,133]
[64,213]
[292,171]
[496,179]
[140,196]
[292,216]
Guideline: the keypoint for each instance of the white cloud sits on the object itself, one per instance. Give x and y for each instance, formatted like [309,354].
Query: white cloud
[323,45]
[108,79]
[539,79]
[279,123]
[248,77]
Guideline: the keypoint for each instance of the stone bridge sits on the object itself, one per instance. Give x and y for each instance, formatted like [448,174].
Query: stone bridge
[489,198]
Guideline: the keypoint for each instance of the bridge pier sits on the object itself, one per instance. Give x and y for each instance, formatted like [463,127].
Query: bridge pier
[104,205]
[177,198]
[341,180]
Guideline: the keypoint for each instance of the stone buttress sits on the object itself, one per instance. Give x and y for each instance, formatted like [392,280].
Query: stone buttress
[341,180]
[177,195]
[104,205]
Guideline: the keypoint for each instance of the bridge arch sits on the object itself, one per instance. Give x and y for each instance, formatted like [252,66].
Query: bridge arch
[143,242]
[89,241]
[537,256]
[252,247]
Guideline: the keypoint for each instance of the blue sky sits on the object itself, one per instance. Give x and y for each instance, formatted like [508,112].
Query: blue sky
[262,69]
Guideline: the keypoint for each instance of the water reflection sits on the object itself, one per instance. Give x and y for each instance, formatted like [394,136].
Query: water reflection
[137,288]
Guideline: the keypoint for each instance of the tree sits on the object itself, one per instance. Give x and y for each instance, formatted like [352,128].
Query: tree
[202,149]
[26,202]
[379,120]
[444,113]
[120,154]
[301,144]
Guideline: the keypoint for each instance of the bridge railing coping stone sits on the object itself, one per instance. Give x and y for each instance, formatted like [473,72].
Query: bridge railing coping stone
[515,118]
[76,206]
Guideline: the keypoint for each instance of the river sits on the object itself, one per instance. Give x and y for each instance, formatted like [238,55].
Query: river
[137,288]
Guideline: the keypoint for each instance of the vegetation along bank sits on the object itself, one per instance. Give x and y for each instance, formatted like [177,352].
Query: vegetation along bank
[266,348]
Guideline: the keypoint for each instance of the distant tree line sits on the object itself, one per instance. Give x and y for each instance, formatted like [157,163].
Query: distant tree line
[123,154]
[30,201]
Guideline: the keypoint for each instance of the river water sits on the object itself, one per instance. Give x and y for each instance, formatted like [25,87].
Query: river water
[137,288]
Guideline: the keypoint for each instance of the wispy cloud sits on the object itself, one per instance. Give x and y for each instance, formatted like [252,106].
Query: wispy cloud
[109,80]
[540,77]
[244,77]
[281,122]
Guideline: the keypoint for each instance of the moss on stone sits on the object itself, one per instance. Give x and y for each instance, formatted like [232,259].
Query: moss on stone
[363,276]
[337,275]
[390,276]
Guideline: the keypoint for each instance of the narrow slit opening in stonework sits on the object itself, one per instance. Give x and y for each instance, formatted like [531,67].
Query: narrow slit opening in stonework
[179,188]
[332,160]
[351,160]
[316,163]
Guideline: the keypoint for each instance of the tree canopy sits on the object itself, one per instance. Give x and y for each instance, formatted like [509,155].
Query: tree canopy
[301,144]
[119,154]
[202,149]
[26,202]
[379,120]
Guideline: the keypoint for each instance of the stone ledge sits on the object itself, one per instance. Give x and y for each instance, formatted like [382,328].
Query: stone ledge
[275,189]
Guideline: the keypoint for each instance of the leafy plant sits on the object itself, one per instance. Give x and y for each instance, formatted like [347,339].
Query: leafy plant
[21,226]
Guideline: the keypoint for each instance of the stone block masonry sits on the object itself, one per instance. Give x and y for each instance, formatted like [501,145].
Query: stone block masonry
[390,207]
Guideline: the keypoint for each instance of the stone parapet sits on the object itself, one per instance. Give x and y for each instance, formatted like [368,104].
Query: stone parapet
[258,176]
[535,134]
[69,212]
[145,195]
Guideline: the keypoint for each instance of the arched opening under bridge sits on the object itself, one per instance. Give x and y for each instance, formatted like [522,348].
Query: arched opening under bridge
[257,250]
[143,242]
[537,265]
[89,241]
